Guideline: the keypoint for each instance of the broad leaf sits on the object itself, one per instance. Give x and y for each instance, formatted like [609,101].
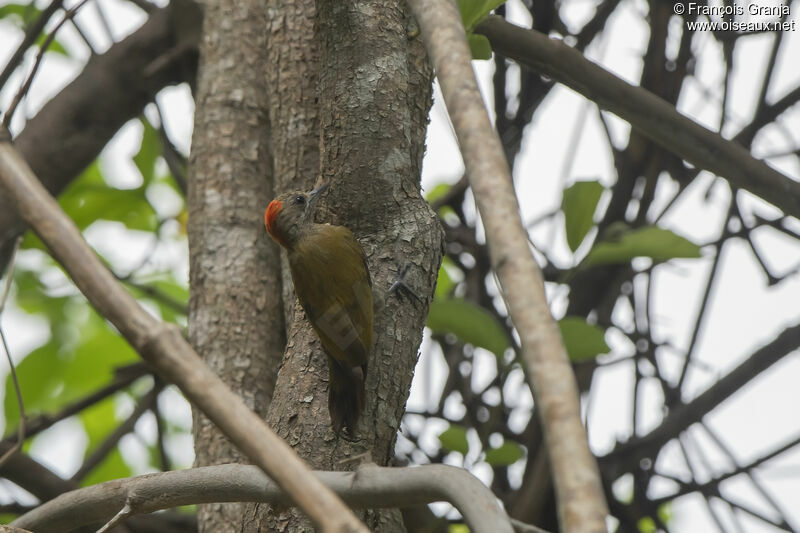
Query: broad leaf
[90,198]
[454,439]
[473,11]
[20,14]
[579,203]
[506,454]
[149,152]
[80,357]
[469,322]
[657,243]
[112,467]
[479,46]
[437,192]
[444,282]
[583,341]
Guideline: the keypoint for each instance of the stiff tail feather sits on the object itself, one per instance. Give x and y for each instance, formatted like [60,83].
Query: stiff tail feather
[346,396]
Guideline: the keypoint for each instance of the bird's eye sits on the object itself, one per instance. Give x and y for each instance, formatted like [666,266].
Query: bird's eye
[300,200]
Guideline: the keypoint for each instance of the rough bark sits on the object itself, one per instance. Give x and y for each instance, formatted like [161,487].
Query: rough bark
[71,129]
[293,56]
[235,314]
[374,97]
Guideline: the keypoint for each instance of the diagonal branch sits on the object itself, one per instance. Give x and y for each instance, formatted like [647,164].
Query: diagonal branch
[627,455]
[32,476]
[42,422]
[646,112]
[579,491]
[369,486]
[105,447]
[163,346]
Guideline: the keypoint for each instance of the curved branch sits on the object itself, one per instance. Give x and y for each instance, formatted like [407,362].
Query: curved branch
[163,346]
[646,112]
[369,486]
[579,492]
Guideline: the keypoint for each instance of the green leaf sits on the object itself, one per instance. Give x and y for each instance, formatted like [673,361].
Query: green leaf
[34,298]
[583,341]
[479,46]
[54,46]
[39,376]
[507,454]
[149,152]
[20,14]
[437,192]
[458,528]
[80,357]
[473,11]
[646,525]
[454,439]
[90,198]
[469,322]
[112,467]
[579,203]
[657,243]
[444,281]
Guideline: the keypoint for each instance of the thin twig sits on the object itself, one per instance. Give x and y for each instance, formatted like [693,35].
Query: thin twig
[756,484]
[706,497]
[627,455]
[83,36]
[12,369]
[701,314]
[660,122]
[31,34]
[105,447]
[40,423]
[23,90]
[118,518]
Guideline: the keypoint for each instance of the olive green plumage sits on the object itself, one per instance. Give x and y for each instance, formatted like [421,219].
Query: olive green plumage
[332,283]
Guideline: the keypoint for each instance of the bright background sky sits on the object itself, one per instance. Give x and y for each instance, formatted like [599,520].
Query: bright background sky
[744,313]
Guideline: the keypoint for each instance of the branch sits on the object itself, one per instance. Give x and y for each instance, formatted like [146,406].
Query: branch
[647,113]
[163,346]
[579,492]
[369,486]
[110,442]
[31,34]
[38,424]
[32,475]
[627,455]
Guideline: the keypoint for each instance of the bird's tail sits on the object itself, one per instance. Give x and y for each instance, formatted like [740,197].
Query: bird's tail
[346,396]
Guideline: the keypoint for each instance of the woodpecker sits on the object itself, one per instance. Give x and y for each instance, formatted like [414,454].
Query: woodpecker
[332,282]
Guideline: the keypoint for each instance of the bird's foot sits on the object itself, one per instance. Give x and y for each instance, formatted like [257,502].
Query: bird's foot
[401,288]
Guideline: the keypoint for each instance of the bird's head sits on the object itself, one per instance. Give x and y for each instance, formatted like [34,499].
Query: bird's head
[288,215]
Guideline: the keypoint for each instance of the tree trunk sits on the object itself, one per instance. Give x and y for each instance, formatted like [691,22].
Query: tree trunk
[374,93]
[235,311]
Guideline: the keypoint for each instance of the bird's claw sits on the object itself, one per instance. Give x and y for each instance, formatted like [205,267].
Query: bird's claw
[401,288]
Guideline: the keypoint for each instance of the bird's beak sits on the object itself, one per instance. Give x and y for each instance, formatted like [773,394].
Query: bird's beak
[315,194]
